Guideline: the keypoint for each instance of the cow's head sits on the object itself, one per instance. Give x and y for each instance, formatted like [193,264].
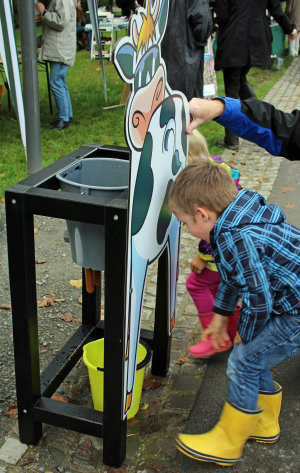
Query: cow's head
[138,61]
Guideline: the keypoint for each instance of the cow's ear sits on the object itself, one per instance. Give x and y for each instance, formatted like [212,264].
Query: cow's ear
[124,57]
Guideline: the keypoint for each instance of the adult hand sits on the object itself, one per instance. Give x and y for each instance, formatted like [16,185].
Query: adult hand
[203,110]
[293,35]
[40,7]
[217,331]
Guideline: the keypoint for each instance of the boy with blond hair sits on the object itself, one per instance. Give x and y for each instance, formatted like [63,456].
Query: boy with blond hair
[258,256]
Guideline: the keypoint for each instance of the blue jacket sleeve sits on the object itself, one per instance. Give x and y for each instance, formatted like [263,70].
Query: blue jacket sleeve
[260,122]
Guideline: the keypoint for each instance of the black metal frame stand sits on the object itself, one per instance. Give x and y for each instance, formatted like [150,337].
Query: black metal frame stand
[38,195]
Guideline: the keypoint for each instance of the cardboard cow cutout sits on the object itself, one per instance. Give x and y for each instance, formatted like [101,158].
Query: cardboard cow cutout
[155,129]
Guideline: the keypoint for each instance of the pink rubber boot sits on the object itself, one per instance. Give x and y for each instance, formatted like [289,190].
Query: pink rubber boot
[204,349]
[232,322]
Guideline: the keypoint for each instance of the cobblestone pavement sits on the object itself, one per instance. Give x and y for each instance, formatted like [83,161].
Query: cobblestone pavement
[166,402]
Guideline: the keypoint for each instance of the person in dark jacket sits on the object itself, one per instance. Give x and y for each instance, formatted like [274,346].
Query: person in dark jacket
[127,7]
[258,256]
[188,28]
[245,40]
[254,120]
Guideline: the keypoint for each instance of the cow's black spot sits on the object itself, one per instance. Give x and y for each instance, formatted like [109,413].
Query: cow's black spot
[176,163]
[167,112]
[183,132]
[164,217]
[143,187]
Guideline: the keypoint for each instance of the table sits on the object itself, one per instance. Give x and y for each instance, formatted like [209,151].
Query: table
[111,25]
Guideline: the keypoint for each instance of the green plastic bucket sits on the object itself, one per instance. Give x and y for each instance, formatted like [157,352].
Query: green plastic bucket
[93,358]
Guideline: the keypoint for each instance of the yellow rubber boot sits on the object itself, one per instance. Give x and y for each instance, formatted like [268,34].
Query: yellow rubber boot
[224,444]
[267,429]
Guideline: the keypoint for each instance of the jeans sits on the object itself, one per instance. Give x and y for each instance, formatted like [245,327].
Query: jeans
[249,365]
[58,85]
[237,87]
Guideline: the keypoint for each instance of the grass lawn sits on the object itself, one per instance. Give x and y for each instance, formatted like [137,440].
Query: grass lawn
[91,122]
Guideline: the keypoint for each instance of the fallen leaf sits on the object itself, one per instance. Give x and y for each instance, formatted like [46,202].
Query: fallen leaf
[76,283]
[40,261]
[44,351]
[35,230]
[191,335]
[59,398]
[151,383]
[287,189]
[183,265]
[80,299]
[291,206]
[263,179]
[12,411]
[144,407]
[27,461]
[183,359]
[5,306]
[67,317]
[3,200]
[46,301]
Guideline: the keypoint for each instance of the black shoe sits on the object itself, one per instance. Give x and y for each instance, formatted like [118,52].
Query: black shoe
[70,120]
[233,146]
[55,122]
[60,125]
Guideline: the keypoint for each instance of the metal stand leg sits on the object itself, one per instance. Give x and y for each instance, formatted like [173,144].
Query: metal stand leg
[48,86]
[114,429]
[24,315]
[161,338]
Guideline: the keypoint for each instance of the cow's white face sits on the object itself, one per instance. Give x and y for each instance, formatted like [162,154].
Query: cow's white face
[162,157]
[143,105]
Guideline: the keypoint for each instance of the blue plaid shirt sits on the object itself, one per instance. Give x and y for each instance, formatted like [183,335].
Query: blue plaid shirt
[258,256]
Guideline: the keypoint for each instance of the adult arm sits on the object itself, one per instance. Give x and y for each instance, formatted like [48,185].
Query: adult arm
[254,120]
[58,17]
[275,9]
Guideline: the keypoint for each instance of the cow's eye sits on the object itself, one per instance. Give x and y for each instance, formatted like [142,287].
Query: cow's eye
[168,138]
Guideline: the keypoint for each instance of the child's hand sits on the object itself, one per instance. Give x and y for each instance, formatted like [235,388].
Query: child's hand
[217,331]
[237,339]
[197,265]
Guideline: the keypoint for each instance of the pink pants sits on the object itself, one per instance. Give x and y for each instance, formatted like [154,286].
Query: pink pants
[203,289]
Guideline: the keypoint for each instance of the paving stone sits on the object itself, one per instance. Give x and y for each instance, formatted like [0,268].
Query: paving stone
[186,384]
[12,451]
[180,402]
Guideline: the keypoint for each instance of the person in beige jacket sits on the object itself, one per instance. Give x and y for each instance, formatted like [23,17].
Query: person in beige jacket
[59,48]
[293,12]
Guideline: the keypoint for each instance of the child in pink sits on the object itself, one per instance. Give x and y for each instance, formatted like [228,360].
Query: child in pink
[203,281]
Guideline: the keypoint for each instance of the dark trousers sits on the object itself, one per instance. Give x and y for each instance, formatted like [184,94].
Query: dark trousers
[236,87]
